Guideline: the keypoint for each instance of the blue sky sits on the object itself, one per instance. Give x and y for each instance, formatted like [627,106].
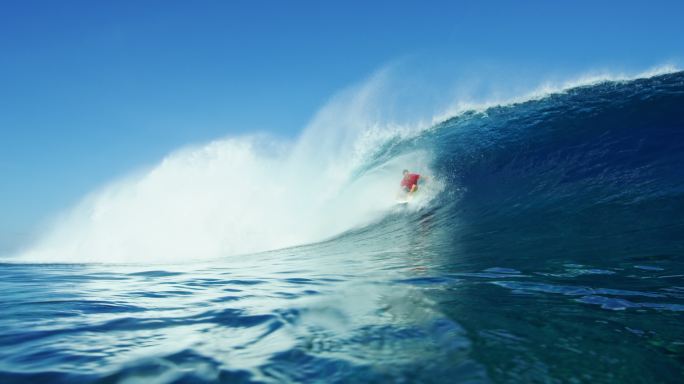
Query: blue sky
[90,90]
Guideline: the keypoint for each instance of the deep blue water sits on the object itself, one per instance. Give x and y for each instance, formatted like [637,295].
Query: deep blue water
[554,254]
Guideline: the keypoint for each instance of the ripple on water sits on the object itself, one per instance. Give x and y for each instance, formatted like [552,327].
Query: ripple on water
[596,296]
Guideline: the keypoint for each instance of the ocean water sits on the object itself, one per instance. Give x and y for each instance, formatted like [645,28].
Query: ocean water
[547,246]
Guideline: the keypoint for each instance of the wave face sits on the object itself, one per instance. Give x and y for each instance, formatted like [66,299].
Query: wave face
[592,172]
[547,247]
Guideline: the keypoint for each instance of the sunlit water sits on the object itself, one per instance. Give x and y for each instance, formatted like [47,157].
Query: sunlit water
[328,313]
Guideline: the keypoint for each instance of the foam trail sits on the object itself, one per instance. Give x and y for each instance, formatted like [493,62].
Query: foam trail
[240,195]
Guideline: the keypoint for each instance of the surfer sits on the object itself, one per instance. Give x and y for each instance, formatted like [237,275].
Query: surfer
[410,182]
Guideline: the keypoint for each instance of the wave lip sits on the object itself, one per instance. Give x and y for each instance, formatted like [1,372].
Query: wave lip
[552,88]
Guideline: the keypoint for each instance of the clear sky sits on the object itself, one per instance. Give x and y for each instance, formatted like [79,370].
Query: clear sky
[90,90]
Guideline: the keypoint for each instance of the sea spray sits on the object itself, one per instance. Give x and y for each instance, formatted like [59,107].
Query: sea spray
[242,195]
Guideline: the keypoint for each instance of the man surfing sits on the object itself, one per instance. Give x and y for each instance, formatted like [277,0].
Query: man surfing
[409,184]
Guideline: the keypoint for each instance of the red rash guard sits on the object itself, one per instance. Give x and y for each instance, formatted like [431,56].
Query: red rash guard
[410,180]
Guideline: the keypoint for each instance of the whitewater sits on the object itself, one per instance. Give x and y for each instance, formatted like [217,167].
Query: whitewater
[545,246]
[245,194]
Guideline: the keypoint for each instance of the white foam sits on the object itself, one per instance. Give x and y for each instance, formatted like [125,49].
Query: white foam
[241,195]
